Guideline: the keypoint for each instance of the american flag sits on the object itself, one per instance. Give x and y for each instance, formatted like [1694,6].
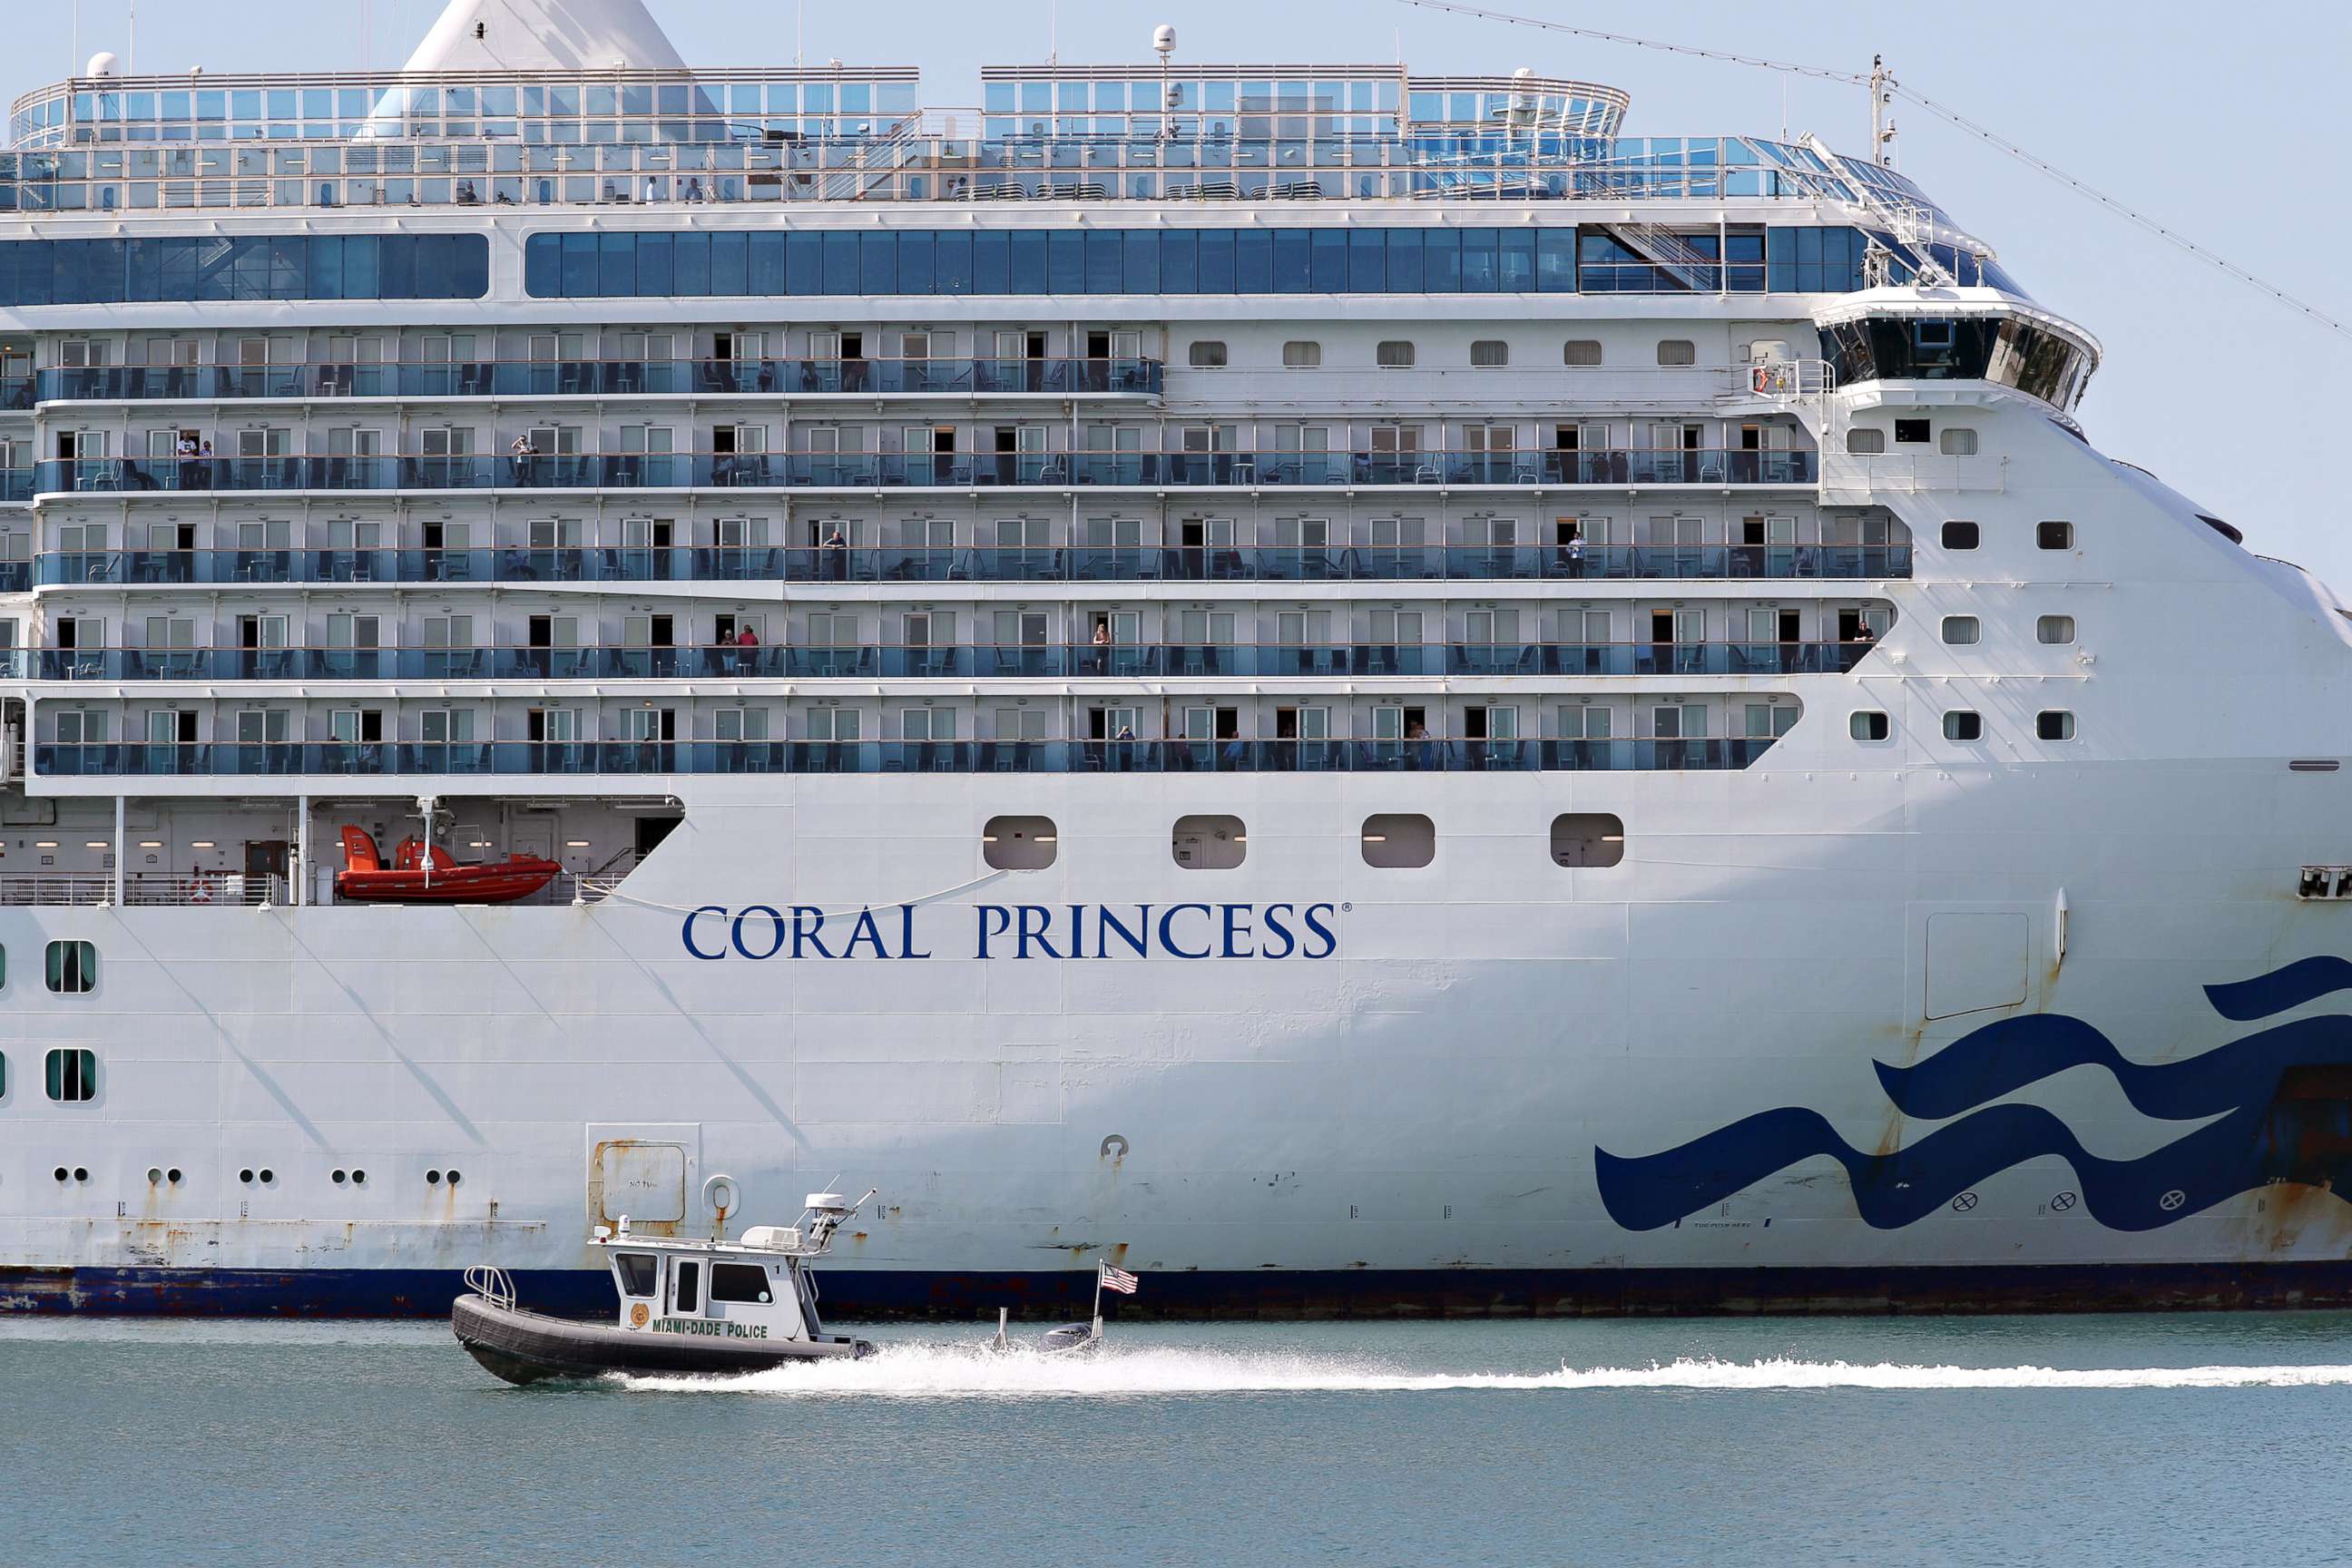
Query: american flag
[1118,1280]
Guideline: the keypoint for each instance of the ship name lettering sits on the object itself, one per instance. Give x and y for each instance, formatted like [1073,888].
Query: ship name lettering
[763,931]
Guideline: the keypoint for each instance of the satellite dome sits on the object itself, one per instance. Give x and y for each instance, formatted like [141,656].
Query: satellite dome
[102,63]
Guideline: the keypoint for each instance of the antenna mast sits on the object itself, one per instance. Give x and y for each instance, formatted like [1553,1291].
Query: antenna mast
[1882,98]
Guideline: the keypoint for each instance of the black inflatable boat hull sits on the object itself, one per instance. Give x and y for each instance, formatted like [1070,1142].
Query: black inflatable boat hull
[530,1347]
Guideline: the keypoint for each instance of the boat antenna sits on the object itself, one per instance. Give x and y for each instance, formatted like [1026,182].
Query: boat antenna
[1951,116]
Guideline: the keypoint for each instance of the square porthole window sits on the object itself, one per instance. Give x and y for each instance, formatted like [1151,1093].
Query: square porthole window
[1962,536]
[2055,535]
[1019,843]
[1398,840]
[1302,353]
[1677,351]
[72,1076]
[1489,353]
[1586,838]
[1209,842]
[1581,351]
[1962,631]
[1911,431]
[1963,724]
[1207,354]
[1959,441]
[2055,630]
[73,967]
[2054,724]
[1869,724]
[1864,440]
[1395,354]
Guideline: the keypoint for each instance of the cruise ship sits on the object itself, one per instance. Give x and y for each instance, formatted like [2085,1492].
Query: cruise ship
[1351,690]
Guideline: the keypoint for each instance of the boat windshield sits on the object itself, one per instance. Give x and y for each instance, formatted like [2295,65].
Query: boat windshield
[637,1269]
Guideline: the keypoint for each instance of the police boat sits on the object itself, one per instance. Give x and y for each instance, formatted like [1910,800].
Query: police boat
[687,1307]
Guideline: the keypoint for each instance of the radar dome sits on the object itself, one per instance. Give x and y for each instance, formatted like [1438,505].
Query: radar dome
[102,63]
[1164,37]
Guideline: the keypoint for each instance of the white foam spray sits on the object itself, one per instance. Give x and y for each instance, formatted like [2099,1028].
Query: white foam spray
[968,1372]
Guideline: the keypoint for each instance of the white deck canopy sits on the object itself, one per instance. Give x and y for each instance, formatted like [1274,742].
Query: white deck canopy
[545,35]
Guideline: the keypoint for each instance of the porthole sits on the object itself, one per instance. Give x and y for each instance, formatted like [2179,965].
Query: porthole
[154,1175]
[2055,535]
[1962,536]
[1398,840]
[339,1178]
[1019,843]
[1963,724]
[359,1178]
[1962,631]
[1586,838]
[1209,842]
[173,1175]
[2054,724]
[81,1173]
[246,1175]
[433,1177]
[2054,631]
[269,1177]
[1869,724]
[456,1177]
[61,1173]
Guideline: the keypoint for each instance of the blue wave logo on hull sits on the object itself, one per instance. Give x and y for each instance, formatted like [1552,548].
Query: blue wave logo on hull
[2284,1097]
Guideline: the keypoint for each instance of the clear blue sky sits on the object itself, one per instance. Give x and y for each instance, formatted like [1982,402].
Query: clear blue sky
[2224,123]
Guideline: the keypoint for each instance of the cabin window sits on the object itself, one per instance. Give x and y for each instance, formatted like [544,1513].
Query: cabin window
[1581,351]
[1864,440]
[1206,355]
[1677,351]
[1019,843]
[1393,354]
[1962,631]
[1911,431]
[73,967]
[1302,353]
[1963,724]
[2056,631]
[1868,724]
[73,1076]
[686,1286]
[1587,839]
[1398,840]
[746,1282]
[2054,724]
[637,1269]
[2055,535]
[1209,842]
[1961,536]
[1490,353]
[1959,441]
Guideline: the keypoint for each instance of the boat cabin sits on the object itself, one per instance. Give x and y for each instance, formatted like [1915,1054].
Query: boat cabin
[754,1288]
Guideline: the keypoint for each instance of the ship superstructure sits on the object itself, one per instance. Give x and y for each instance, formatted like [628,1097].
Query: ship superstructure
[1363,689]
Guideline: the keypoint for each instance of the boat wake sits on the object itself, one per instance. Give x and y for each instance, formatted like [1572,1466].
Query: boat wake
[961,1372]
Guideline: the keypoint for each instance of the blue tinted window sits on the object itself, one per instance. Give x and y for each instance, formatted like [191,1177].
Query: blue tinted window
[804,264]
[656,264]
[914,264]
[730,259]
[1105,261]
[1180,268]
[1440,251]
[992,263]
[689,261]
[542,267]
[1405,260]
[1142,261]
[1555,260]
[1480,272]
[951,263]
[1331,273]
[877,264]
[1216,261]
[1264,262]
[1025,263]
[1519,260]
[840,264]
[1368,265]
[616,264]
[1066,261]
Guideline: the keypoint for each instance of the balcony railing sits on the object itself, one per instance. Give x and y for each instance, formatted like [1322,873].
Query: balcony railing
[906,564]
[638,759]
[823,470]
[983,661]
[587,378]
[230,889]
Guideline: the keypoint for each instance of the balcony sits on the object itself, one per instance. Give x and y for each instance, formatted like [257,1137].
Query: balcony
[634,759]
[591,378]
[968,661]
[884,471]
[901,564]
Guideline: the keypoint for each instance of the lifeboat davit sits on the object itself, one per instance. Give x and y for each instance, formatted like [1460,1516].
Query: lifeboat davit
[421,874]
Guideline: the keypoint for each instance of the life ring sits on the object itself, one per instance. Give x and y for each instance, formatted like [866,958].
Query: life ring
[714,1187]
[1767,379]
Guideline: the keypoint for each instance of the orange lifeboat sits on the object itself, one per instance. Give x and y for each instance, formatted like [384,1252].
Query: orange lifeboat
[423,874]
